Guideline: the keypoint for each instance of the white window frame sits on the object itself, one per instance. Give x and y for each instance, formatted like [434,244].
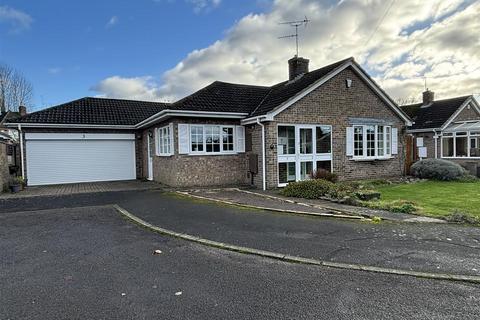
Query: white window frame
[387,142]
[160,141]
[204,141]
[298,157]
[469,136]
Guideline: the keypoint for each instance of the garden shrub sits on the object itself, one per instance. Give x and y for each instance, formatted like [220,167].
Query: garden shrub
[314,189]
[437,169]
[324,174]
[460,217]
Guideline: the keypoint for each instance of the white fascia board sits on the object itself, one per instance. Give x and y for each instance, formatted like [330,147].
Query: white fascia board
[423,130]
[456,113]
[79,136]
[256,119]
[185,113]
[67,126]
[332,74]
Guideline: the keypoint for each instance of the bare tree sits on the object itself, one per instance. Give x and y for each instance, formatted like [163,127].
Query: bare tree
[15,89]
[405,101]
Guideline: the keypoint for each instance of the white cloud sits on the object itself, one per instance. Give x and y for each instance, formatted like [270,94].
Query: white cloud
[437,39]
[199,6]
[137,88]
[54,70]
[112,22]
[17,19]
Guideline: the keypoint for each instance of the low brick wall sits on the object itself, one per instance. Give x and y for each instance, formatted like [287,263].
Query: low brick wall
[4,174]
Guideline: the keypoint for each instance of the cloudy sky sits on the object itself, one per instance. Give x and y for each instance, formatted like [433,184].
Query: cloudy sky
[166,49]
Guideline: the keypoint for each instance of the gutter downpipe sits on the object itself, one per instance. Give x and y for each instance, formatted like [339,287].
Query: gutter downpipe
[264,182]
[436,142]
[21,150]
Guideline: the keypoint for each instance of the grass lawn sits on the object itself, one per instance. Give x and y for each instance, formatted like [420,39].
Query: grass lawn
[435,198]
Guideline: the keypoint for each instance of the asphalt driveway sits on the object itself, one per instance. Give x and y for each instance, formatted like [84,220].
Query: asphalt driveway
[420,247]
[89,263]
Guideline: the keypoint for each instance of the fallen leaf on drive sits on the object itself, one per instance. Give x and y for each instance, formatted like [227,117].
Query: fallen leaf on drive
[157,252]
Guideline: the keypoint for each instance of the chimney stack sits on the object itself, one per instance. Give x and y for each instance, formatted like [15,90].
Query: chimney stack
[297,66]
[428,97]
[22,110]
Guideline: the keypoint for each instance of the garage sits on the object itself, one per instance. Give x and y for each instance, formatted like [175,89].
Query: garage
[59,158]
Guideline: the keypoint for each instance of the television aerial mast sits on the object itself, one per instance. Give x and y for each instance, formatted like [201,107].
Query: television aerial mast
[295,24]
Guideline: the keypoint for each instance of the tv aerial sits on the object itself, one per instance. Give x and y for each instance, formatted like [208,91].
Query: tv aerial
[295,24]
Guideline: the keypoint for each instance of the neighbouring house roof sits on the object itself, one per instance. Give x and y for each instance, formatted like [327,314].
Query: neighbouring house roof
[435,114]
[96,111]
[9,115]
[217,99]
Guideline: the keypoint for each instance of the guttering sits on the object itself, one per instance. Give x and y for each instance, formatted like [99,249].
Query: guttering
[69,125]
[185,113]
[435,137]
[21,150]
[264,175]
[266,117]
[421,130]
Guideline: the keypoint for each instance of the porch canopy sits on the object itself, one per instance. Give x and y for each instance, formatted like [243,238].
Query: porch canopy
[465,126]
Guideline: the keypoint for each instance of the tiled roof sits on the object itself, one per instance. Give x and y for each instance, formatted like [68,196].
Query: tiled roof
[224,97]
[283,91]
[96,111]
[433,115]
[217,97]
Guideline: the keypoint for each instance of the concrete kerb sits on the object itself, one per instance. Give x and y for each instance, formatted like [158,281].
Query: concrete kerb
[295,259]
[317,214]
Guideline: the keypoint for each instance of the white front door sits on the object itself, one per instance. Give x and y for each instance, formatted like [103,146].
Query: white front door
[302,149]
[150,152]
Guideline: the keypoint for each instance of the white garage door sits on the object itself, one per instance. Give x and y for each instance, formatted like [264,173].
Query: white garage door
[54,158]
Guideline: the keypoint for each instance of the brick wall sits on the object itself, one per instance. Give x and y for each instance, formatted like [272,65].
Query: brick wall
[182,170]
[4,172]
[468,113]
[333,104]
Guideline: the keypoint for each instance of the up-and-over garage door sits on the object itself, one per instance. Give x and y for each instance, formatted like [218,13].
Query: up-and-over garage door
[56,158]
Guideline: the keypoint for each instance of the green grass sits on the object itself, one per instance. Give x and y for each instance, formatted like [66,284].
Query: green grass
[436,198]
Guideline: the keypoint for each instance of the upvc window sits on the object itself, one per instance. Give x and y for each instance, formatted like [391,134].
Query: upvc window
[212,139]
[372,142]
[464,144]
[164,141]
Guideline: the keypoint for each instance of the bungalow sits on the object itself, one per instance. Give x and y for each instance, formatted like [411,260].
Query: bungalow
[447,129]
[334,118]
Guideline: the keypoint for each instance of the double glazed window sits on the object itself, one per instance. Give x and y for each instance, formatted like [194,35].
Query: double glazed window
[164,141]
[372,141]
[303,149]
[463,144]
[211,139]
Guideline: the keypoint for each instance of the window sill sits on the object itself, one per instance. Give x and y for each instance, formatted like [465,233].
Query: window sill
[371,159]
[163,155]
[214,154]
[462,158]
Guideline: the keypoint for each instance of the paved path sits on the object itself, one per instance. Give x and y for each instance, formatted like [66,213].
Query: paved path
[439,248]
[77,188]
[89,263]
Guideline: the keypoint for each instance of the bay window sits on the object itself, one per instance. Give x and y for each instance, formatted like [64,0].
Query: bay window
[372,142]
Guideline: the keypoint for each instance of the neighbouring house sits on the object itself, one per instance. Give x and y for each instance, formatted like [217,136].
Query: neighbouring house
[9,139]
[4,170]
[335,118]
[446,129]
